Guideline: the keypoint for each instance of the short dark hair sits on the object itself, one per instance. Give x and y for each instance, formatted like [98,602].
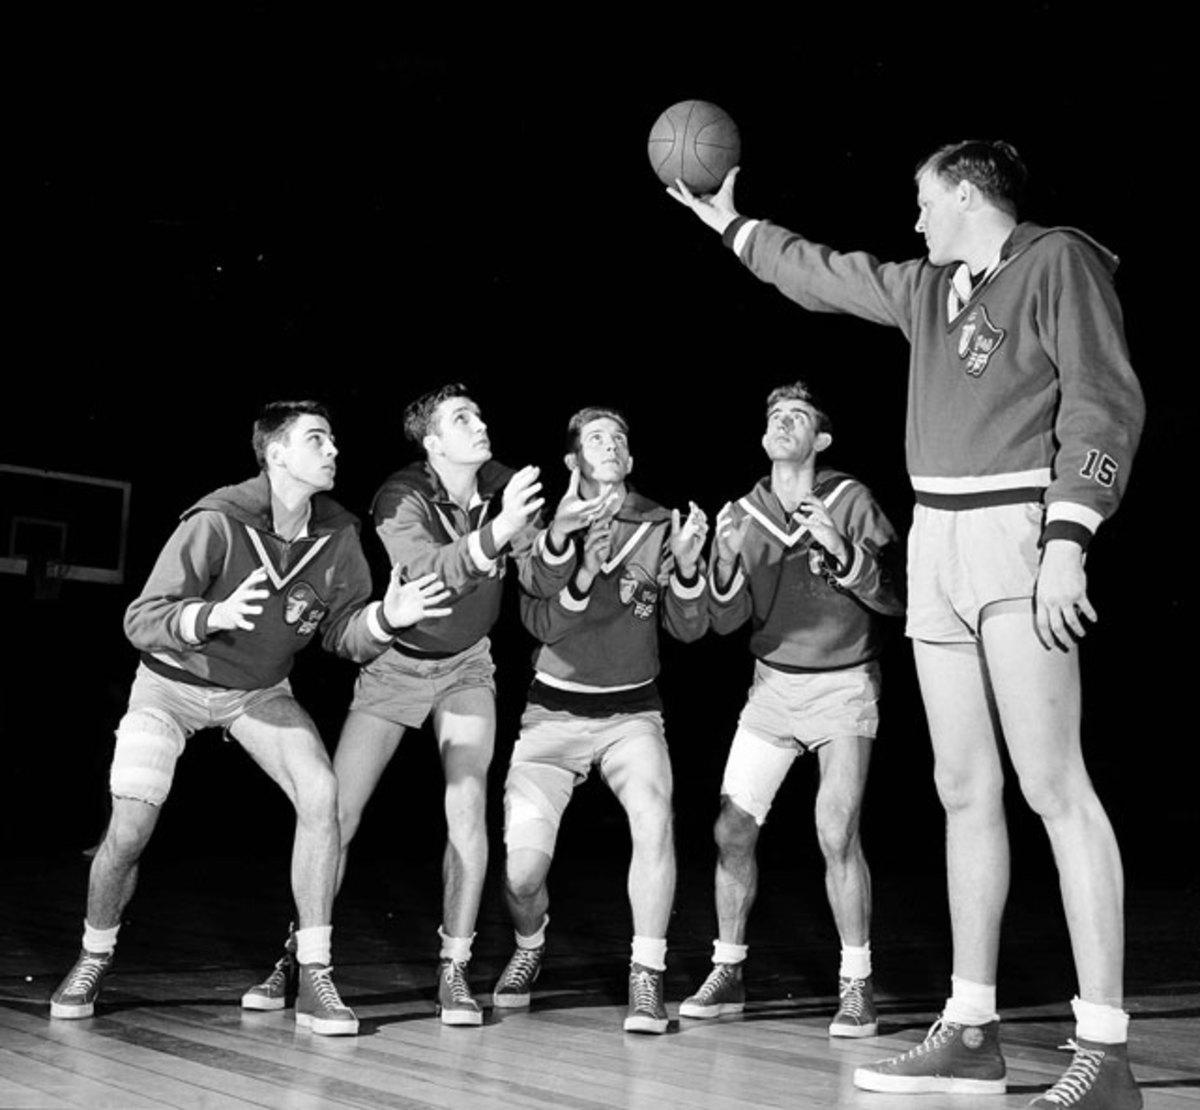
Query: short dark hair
[419,415]
[992,166]
[586,416]
[276,420]
[800,391]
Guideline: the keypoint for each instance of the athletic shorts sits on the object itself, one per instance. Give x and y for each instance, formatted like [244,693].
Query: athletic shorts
[961,561]
[404,690]
[193,708]
[787,715]
[554,753]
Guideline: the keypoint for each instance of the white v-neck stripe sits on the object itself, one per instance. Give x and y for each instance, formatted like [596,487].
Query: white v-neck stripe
[790,539]
[264,559]
[630,544]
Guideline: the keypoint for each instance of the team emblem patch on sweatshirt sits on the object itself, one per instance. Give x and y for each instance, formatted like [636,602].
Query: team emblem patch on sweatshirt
[304,608]
[978,339]
[636,588]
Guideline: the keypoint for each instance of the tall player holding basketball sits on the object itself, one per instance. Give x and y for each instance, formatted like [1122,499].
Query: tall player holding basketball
[1023,418]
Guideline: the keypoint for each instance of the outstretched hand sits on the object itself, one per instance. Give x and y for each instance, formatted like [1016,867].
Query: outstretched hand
[237,609]
[813,514]
[407,603]
[575,512]
[687,538]
[729,540]
[717,209]
[520,501]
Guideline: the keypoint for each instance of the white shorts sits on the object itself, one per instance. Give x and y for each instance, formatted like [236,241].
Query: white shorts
[554,753]
[963,560]
[787,715]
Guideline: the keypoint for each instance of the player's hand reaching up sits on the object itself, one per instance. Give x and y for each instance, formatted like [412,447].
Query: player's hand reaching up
[728,541]
[812,513]
[597,545]
[716,210]
[520,502]
[406,603]
[237,609]
[575,512]
[687,538]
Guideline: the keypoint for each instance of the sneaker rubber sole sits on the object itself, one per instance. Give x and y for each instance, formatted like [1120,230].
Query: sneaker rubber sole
[845,1029]
[252,1001]
[643,1023]
[72,1011]
[868,1080]
[460,1017]
[326,1027]
[695,1010]
[511,1000]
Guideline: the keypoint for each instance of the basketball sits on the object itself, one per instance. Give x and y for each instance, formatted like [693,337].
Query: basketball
[696,142]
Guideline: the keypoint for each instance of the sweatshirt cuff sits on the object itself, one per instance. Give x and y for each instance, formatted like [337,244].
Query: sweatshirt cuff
[193,622]
[1066,530]
[853,572]
[479,544]
[736,584]
[378,625]
[688,589]
[571,599]
[735,235]
[546,550]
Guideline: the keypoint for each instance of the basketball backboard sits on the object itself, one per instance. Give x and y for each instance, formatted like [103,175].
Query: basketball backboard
[70,527]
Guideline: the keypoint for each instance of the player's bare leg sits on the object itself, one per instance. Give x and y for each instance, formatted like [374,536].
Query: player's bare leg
[970,783]
[1038,696]
[364,749]
[639,773]
[736,833]
[282,739]
[844,763]
[525,890]
[114,871]
[465,724]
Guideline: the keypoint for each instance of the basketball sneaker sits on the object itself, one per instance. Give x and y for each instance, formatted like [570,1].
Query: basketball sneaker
[1098,1079]
[856,1015]
[513,987]
[278,989]
[723,992]
[953,1058]
[76,994]
[455,1003]
[319,1007]
[647,1013]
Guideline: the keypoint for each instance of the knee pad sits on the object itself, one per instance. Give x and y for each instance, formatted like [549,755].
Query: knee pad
[149,744]
[535,796]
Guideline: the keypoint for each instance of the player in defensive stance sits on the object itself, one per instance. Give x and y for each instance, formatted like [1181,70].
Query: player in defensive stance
[809,558]
[594,702]
[1023,419]
[247,578]
[461,515]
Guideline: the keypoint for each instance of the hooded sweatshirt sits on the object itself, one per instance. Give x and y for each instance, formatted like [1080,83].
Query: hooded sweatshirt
[1019,390]
[318,580]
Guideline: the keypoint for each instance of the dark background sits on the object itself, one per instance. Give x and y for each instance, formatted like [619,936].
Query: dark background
[237,207]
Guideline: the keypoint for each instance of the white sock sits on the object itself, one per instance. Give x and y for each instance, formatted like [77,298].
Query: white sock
[100,941]
[856,962]
[726,953]
[971,1003]
[534,940]
[314,944]
[457,949]
[1096,1022]
[650,952]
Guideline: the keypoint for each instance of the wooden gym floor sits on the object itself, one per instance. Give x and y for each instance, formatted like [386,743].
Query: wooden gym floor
[169,1032]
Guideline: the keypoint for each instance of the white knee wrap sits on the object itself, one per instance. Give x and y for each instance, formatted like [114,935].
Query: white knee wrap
[534,800]
[149,744]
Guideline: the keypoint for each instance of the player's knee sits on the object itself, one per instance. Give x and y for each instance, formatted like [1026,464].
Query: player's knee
[837,830]
[1053,794]
[316,796]
[735,830]
[129,831]
[466,803]
[649,813]
[962,788]
[525,871]
[149,744]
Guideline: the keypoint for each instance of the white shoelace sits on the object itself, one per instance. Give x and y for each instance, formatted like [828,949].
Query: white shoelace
[1079,1078]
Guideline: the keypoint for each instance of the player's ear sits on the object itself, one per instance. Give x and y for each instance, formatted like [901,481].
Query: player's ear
[571,461]
[629,466]
[823,440]
[432,444]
